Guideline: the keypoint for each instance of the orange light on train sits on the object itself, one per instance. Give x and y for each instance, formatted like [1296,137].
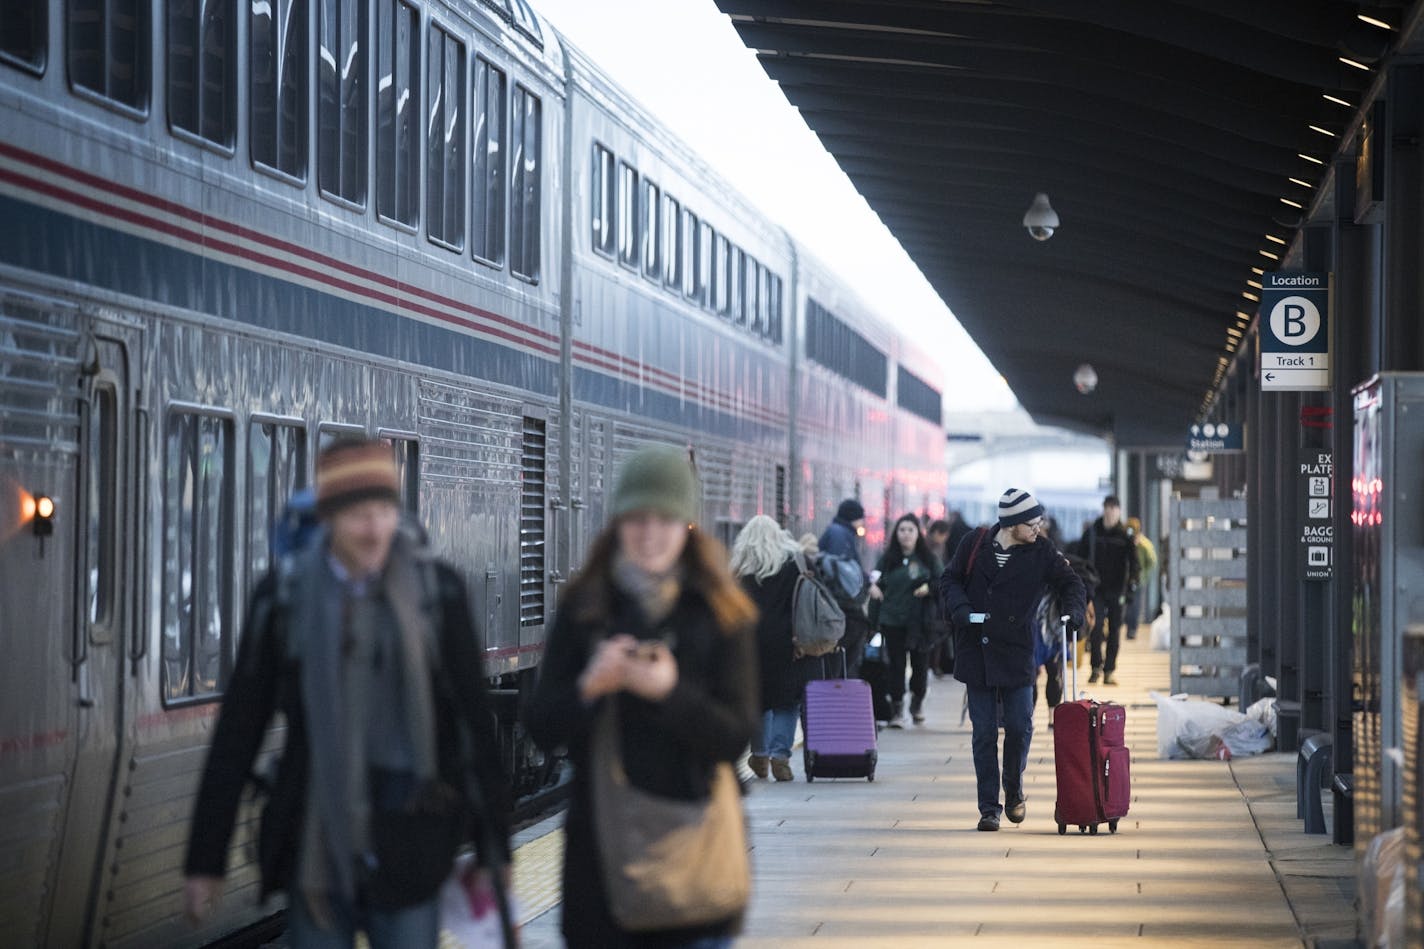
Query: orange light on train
[42,510]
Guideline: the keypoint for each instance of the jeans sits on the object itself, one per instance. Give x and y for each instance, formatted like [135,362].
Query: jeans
[1131,614]
[1109,630]
[778,731]
[1018,732]
[896,653]
[414,927]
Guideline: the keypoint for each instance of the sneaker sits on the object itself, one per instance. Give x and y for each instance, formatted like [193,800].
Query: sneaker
[1015,811]
[781,769]
[1094,677]
[897,716]
[1108,679]
[989,822]
[917,710]
[758,765]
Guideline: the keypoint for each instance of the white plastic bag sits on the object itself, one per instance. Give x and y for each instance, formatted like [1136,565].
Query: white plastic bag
[1161,638]
[1264,711]
[1191,720]
[1246,737]
[1382,890]
[471,921]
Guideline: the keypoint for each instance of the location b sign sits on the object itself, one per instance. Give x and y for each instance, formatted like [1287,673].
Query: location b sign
[1295,331]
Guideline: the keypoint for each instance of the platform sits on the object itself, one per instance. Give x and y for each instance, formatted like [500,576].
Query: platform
[1210,855]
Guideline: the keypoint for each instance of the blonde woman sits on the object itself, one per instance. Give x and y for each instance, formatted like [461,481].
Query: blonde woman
[764,560]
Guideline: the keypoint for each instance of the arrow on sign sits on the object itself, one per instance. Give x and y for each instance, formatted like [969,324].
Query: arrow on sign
[1270,377]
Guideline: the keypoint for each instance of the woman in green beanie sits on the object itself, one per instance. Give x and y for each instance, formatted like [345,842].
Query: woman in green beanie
[655,625]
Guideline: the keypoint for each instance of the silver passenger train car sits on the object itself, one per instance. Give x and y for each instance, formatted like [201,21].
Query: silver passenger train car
[232,232]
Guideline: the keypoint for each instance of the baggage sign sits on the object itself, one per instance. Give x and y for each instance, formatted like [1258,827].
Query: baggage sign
[1295,331]
[1317,540]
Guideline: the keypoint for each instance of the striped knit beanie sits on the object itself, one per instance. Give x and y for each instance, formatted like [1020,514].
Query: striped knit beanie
[1018,507]
[352,470]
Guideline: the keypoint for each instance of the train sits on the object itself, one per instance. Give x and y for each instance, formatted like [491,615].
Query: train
[232,233]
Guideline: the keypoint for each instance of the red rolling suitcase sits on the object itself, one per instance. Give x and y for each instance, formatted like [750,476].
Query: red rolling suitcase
[1091,758]
[840,729]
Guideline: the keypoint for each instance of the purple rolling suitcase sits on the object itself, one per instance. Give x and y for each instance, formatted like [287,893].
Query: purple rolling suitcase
[840,729]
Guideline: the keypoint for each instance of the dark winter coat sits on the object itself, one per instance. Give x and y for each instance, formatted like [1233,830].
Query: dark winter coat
[669,747]
[1113,554]
[839,540]
[266,679]
[781,683]
[1000,651]
[900,607]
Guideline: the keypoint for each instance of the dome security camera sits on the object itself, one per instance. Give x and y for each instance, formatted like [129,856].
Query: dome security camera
[1040,220]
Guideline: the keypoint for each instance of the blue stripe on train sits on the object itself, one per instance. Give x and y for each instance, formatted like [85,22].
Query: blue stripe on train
[54,243]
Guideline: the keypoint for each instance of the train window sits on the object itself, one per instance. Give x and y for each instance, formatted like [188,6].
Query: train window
[276,468]
[397,105]
[652,231]
[197,553]
[341,110]
[487,187]
[759,319]
[605,200]
[525,21]
[109,49]
[407,452]
[445,141]
[279,86]
[526,195]
[750,290]
[102,479]
[773,309]
[690,237]
[721,270]
[672,253]
[202,69]
[702,272]
[735,289]
[24,33]
[628,214]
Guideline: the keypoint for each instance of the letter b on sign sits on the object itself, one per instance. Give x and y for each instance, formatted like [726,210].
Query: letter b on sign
[1295,321]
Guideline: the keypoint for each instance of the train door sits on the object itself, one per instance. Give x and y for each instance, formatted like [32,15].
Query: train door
[105,565]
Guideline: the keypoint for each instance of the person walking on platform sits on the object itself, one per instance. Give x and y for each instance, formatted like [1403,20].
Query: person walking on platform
[365,643]
[1107,546]
[764,561]
[841,540]
[989,591]
[1146,563]
[905,615]
[649,679]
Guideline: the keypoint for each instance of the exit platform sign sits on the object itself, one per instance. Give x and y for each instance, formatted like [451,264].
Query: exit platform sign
[1295,331]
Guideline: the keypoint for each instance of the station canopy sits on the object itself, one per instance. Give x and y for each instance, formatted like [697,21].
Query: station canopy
[1180,142]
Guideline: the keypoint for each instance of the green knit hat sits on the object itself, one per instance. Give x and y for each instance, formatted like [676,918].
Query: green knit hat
[657,478]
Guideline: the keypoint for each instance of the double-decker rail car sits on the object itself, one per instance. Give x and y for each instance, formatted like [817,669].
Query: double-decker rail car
[235,233]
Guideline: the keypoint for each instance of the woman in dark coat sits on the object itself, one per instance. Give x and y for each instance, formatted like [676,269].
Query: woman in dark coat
[656,625]
[764,560]
[906,575]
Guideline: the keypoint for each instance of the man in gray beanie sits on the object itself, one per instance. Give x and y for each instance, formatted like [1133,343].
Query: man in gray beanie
[989,590]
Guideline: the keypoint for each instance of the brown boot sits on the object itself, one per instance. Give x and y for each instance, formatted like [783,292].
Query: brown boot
[781,770]
[758,765]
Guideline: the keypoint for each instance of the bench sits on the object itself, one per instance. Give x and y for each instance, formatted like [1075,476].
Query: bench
[1312,771]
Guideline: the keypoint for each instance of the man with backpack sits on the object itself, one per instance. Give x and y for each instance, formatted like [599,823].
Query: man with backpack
[365,642]
[989,591]
[844,574]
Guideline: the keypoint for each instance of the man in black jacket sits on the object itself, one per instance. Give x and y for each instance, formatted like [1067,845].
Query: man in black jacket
[365,643]
[1109,548]
[990,590]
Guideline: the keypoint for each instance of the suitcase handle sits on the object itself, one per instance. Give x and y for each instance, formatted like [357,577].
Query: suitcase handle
[1063,626]
[845,664]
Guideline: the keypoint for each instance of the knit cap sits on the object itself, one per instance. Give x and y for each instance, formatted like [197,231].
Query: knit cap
[1018,507]
[657,478]
[352,470]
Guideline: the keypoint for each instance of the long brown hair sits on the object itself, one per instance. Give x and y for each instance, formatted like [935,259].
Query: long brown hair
[704,565]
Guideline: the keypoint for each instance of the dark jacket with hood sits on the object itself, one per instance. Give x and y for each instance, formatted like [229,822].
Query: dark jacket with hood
[780,676]
[266,679]
[1000,651]
[669,747]
[1113,555]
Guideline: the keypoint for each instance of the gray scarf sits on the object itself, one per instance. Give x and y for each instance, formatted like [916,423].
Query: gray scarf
[655,594]
[335,636]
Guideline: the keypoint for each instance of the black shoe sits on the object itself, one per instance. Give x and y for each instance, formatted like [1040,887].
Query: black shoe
[1108,679]
[1015,811]
[917,710]
[989,822]
[1094,677]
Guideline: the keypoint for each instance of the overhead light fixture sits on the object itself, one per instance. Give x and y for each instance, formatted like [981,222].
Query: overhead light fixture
[1255,283]
[1085,379]
[1250,296]
[1258,272]
[1040,219]
[1243,317]
[1266,253]
[1373,22]
[1309,158]
[1350,62]
[1303,184]
[1294,204]
[1325,132]
[1275,240]
[1233,332]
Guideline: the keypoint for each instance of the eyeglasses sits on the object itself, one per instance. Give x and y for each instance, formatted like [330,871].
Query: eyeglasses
[1034,525]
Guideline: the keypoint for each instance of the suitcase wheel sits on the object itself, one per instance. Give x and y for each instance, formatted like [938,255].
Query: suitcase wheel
[1082,828]
[1093,830]
[1062,828]
[870,776]
[1112,826]
[810,777]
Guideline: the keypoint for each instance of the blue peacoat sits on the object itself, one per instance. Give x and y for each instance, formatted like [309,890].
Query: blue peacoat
[999,652]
